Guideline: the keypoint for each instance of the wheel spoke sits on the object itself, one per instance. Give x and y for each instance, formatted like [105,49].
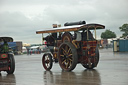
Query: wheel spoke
[62,55]
[69,50]
[64,61]
[47,58]
[47,64]
[68,64]
[69,55]
[64,50]
[70,59]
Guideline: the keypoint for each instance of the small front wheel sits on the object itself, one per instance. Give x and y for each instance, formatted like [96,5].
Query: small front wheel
[47,61]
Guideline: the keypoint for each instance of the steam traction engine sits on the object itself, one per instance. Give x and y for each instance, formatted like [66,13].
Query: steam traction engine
[7,61]
[72,44]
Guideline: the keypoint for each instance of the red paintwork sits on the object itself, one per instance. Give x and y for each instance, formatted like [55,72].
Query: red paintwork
[3,59]
[87,52]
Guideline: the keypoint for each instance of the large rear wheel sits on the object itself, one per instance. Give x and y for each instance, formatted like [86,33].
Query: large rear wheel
[67,56]
[95,60]
[11,64]
[47,61]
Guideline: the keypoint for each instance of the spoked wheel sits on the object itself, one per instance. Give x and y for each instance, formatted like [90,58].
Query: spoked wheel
[67,56]
[95,59]
[11,64]
[47,61]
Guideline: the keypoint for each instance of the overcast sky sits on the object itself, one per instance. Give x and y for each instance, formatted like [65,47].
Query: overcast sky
[21,19]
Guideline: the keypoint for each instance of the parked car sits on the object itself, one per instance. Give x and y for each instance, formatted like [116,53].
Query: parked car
[35,49]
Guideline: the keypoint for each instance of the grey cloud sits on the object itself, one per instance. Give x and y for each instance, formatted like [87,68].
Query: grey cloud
[42,2]
[22,28]
[21,18]
[111,13]
[15,19]
[17,25]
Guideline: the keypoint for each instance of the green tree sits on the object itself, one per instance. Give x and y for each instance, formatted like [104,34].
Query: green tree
[124,28]
[108,34]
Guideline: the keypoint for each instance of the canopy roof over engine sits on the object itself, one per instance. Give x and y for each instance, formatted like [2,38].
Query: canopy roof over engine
[6,39]
[72,28]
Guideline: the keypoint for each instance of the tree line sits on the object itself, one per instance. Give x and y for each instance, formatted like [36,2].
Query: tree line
[109,34]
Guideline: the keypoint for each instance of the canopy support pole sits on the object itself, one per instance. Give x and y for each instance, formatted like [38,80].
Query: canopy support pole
[95,33]
[42,39]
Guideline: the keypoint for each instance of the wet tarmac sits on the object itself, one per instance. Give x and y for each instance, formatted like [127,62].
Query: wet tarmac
[111,70]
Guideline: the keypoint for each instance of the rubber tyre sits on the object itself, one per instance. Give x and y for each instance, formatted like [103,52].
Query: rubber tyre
[11,62]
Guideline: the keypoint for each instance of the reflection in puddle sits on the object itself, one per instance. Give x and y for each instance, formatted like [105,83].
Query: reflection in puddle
[7,79]
[89,77]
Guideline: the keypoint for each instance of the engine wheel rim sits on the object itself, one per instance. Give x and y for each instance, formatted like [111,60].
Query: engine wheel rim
[67,56]
[47,62]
